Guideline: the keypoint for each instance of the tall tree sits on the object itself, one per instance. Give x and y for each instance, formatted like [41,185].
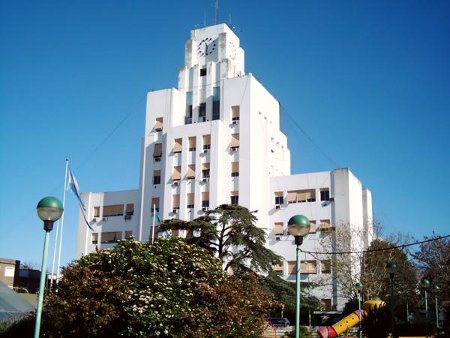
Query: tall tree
[229,233]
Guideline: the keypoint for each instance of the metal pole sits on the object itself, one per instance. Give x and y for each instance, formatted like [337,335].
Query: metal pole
[437,313]
[359,313]
[407,312]
[58,268]
[42,283]
[297,294]
[426,313]
[392,304]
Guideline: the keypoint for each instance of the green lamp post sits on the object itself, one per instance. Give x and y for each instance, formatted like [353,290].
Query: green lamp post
[298,226]
[49,210]
[425,284]
[359,287]
[391,267]
[436,289]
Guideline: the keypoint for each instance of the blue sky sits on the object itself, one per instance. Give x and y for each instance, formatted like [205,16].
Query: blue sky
[368,81]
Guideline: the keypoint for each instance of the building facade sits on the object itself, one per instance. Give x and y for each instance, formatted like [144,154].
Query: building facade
[216,139]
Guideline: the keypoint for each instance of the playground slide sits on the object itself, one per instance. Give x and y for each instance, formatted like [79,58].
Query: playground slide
[349,321]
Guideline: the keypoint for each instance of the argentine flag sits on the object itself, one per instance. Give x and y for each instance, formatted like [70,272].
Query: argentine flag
[72,184]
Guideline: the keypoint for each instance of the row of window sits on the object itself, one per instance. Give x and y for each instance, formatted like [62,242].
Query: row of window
[325,226]
[301,196]
[108,237]
[190,198]
[308,266]
[114,210]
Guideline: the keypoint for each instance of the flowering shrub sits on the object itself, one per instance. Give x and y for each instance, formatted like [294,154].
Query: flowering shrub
[166,289]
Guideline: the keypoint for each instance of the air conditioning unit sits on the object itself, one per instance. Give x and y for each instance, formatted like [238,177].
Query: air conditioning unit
[206,179]
[278,206]
[205,209]
[331,199]
[127,217]
[157,159]
[234,149]
[174,211]
[234,122]
[205,151]
[105,219]
[175,182]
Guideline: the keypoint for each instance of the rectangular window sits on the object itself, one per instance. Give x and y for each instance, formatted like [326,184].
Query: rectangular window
[159,124]
[205,170]
[156,176]
[175,202]
[325,194]
[206,142]
[279,199]
[113,210]
[216,103]
[128,234]
[96,211]
[235,112]
[325,266]
[176,176]
[157,151]
[301,196]
[234,169]
[129,209]
[313,227]
[178,145]
[234,198]
[155,204]
[94,238]
[325,226]
[205,199]
[192,141]
[326,304]
[234,141]
[188,107]
[291,267]
[278,228]
[111,237]
[191,172]
[202,112]
[278,268]
[9,271]
[203,72]
[308,267]
[190,200]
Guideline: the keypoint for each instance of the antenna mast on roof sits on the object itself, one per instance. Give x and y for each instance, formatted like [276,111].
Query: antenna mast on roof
[216,11]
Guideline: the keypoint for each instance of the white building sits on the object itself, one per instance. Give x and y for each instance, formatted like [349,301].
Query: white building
[214,140]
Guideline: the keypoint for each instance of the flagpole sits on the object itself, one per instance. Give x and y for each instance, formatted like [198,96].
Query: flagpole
[153,225]
[57,227]
[62,226]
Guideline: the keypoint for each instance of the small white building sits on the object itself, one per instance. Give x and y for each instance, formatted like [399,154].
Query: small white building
[215,140]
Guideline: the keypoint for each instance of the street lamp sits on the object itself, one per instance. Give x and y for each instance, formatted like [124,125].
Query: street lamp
[298,226]
[436,289]
[391,267]
[359,286]
[49,210]
[425,284]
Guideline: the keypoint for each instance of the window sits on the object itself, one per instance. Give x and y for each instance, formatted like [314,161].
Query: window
[176,176]
[155,204]
[235,113]
[327,304]
[234,198]
[278,268]
[129,210]
[206,142]
[188,107]
[111,237]
[325,266]
[203,72]
[156,176]
[128,234]
[325,194]
[202,112]
[192,141]
[313,227]
[190,200]
[113,210]
[176,202]
[159,124]
[278,228]
[234,141]
[177,145]
[308,267]
[325,226]
[279,199]
[234,169]
[216,103]
[157,151]
[291,267]
[301,196]
[205,170]
[205,199]
[191,172]
[96,211]
[94,238]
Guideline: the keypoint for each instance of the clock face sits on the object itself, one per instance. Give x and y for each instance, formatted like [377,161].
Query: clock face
[206,47]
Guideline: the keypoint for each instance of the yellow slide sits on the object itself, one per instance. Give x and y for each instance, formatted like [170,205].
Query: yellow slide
[349,321]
